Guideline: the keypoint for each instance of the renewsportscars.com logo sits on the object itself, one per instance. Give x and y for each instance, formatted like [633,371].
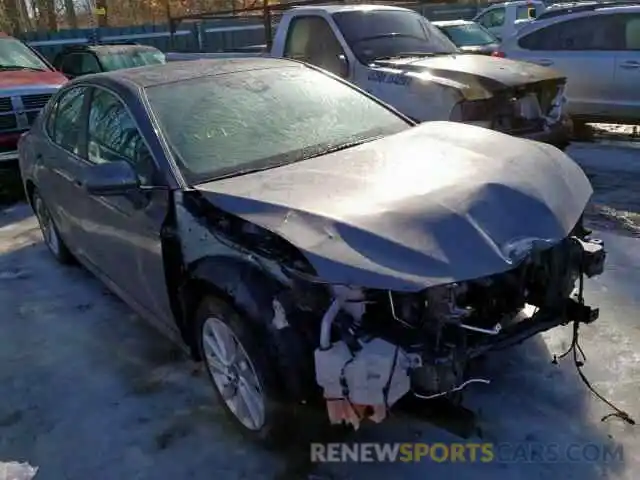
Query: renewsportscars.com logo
[467,452]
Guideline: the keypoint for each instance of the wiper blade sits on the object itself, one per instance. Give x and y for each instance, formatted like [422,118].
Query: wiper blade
[316,153]
[239,173]
[342,146]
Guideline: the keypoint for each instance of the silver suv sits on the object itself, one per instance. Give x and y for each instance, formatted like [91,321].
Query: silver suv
[597,47]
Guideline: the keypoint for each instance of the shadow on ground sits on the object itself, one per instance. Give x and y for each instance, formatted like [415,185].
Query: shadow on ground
[11,190]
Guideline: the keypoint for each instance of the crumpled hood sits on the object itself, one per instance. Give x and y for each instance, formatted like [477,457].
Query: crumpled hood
[493,73]
[438,203]
[21,78]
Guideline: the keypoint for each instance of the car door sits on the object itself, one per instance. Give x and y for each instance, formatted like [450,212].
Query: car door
[312,40]
[59,157]
[122,232]
[626,94]
[583,49]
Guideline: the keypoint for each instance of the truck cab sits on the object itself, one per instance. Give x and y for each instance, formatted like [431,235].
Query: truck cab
[27,81]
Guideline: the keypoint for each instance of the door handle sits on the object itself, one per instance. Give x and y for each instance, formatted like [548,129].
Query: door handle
[630,64]
[544,62]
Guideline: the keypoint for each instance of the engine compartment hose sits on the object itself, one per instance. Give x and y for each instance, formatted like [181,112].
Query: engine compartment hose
[327,321]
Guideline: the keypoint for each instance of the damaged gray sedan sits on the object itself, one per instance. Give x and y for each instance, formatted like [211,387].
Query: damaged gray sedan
[308,243]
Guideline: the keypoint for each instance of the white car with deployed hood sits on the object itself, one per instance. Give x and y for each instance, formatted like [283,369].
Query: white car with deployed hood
[397,55]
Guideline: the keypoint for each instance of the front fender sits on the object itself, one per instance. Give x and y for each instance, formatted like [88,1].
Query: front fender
[249,288]
[430,98]
[252,291]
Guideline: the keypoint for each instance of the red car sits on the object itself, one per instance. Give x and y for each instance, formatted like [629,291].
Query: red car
[27,81]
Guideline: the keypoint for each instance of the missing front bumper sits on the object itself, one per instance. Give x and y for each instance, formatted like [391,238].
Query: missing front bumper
[538,322]
[557,134]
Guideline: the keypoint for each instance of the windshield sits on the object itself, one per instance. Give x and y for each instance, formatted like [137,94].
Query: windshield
[388,33]
[16,55]
[115,59]
[468,35]
[234,123]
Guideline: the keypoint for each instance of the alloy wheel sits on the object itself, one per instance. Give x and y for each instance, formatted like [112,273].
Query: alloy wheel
[233,373]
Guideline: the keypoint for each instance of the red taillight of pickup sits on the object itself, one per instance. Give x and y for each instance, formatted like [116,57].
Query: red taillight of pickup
[498,54]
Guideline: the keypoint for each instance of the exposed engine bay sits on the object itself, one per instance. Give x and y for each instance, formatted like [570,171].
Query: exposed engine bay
[518,110]
[371,347]
[376,346]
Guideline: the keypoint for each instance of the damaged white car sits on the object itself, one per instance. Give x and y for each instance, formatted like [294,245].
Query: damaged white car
[307,242]
[400,57]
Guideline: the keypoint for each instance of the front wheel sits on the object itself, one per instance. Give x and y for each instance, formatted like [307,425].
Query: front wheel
[242,373]
[50,233]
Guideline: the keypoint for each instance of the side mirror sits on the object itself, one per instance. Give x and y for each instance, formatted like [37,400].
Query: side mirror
[111,178]
[343,66]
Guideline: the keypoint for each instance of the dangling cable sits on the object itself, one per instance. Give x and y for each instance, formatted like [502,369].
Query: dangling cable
[576,348]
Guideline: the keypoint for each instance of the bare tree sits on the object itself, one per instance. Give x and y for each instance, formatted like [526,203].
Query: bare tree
[70,14]
[24,16]
[12,13]
[52,18]
[101,6]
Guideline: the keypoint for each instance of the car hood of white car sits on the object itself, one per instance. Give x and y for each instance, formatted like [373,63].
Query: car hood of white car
[474,71]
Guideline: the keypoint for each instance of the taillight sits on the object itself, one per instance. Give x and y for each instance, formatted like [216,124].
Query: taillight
[498,53]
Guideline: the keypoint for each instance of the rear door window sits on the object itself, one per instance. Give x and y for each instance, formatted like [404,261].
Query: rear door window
[578,34]
[632,32]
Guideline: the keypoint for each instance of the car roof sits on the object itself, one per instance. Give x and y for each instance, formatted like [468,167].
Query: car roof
[581,7]
[515,3]
[106,47]
[152,75]
[452,23]
[351,8]
[546,21]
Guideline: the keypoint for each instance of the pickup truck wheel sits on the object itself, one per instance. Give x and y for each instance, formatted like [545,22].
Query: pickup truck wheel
[50,234]
[242,373]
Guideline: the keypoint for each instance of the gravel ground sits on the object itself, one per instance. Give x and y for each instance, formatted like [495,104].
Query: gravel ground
[89,391]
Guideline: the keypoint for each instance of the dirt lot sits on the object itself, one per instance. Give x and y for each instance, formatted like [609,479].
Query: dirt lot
[89,392]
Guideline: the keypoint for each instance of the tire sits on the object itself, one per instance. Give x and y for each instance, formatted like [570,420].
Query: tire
[253,371]
[50,233]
